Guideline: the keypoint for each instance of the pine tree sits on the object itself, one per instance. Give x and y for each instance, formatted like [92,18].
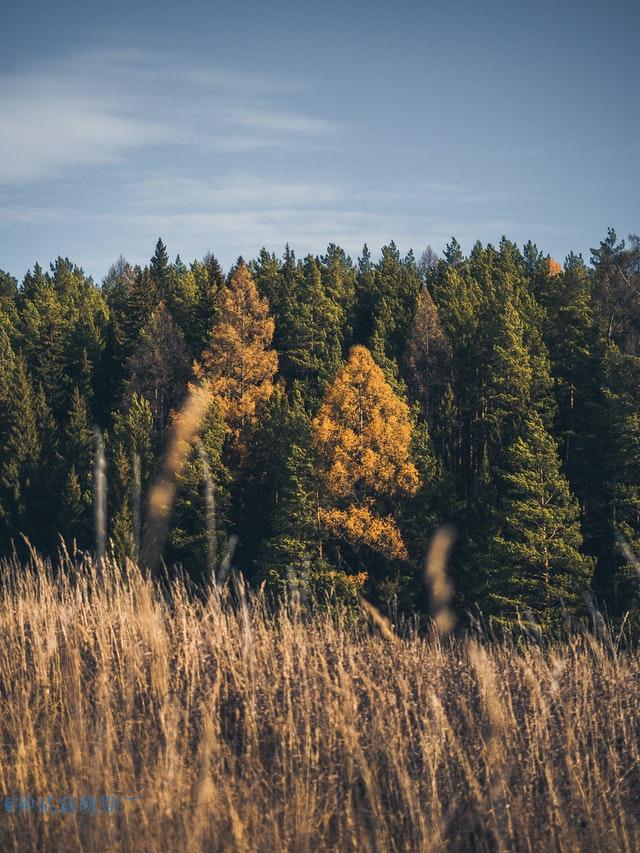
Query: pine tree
[453,253]
[78,458]
[159,368]
[132,465]
[238,363]
[536,560]
[397,289]
[263,508]
[509,380]
[339,281]
[159,269]
[311,330]
[427,357]
[290,558]
[21,443]
[209,280]
[199,522]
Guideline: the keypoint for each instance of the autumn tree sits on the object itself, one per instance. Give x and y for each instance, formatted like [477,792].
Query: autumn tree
[362,435]
[238,363]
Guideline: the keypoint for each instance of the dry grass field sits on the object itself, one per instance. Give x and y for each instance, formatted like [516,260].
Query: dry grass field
[241,730]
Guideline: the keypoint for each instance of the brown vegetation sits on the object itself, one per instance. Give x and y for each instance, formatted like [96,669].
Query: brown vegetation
[242,730]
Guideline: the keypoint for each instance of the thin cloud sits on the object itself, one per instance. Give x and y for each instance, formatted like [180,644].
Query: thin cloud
[102,107]
[281,121]
[14,215]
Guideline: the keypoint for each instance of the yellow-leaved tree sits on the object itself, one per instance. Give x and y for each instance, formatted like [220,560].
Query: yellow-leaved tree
[362,435]
[238,364]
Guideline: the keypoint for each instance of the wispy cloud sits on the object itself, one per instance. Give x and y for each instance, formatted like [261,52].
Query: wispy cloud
[33,215]
[101,107]
[287,122]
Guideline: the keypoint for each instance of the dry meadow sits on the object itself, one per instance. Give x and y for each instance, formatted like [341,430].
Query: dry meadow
[241,729]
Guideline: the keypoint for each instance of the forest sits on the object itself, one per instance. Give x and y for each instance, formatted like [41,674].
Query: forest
[353,408]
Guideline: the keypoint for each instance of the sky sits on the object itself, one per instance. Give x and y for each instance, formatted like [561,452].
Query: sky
[228,126]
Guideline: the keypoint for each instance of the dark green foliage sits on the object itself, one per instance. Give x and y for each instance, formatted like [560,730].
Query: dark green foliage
[200,523]
[159,368]
[536,566]
[78,450]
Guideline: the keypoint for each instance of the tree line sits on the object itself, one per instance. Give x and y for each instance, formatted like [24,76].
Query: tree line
[355,408]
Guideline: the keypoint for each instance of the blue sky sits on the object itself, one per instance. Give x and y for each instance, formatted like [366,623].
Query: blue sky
[228,126]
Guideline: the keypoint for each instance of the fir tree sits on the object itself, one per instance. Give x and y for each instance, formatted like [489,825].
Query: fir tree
[536,562]
[199,523]
[159,368]
[159,269]
[21,443]
[78,459]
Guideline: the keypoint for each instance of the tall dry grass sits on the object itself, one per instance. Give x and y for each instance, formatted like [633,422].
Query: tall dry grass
[245,731]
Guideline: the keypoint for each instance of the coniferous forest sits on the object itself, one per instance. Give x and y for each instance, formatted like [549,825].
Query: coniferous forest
[355,407]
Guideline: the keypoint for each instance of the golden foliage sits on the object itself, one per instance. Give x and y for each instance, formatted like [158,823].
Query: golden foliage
[238,364]
[357,525]
[554,267]
[362,434]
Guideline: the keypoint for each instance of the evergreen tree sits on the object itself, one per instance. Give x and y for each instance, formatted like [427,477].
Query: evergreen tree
[427,357]
[159,368]
[453,253]
[77,515]
[132,465]
[159,269]
[510,377]
[199,522]
[536,561]
[21,443]
[209,280]
[312,330]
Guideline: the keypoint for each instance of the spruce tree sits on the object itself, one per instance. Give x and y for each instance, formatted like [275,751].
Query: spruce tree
[132,464]
[199,522]
[21,443]
[311,331]
[159,368]
[78,451]
[536,565]
[159,269]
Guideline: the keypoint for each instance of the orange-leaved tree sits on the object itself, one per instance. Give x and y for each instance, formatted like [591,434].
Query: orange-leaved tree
[238,364]
[362,435]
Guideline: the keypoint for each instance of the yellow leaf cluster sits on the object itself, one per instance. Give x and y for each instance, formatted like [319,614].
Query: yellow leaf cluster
[354,582]
[238,364]
[357,525]
[363,432]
